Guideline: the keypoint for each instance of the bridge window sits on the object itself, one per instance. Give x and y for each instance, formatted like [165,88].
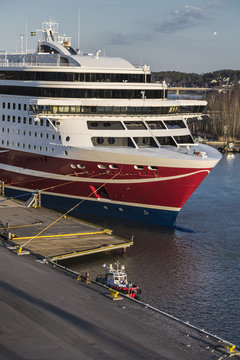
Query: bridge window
[135,125]
[105,125]
[145,142]
[166,140]
[116,141]
[185,139]
[175,124]
[156,125]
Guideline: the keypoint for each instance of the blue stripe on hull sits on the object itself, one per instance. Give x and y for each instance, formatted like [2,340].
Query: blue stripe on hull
[88,207]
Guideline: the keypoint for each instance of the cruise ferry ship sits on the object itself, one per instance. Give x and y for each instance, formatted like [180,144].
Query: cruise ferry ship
[94,133]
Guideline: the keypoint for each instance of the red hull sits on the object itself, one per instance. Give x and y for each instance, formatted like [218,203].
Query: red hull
[166,187]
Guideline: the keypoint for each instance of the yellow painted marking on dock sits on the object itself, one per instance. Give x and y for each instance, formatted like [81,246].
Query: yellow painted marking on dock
[105,231]
[85,252]
[20,226]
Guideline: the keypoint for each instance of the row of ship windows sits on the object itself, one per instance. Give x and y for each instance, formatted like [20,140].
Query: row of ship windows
[105,125]
[29,146]
[71,76]
[14,106]
[136,125]
[29,133]
[115,110]
[82,93]
[142,141]
[29,121]
[113,167]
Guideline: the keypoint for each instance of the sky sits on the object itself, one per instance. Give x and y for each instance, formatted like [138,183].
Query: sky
[169,35]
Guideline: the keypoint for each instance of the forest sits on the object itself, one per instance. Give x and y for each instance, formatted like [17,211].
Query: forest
[221,119]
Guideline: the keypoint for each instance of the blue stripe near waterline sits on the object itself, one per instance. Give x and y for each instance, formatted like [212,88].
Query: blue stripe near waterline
[88,207]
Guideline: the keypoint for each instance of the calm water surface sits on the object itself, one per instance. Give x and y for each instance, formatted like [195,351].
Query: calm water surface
[194,276]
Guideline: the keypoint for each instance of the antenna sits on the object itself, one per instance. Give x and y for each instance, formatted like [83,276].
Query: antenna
[26,36]
[78,29]
[21,39]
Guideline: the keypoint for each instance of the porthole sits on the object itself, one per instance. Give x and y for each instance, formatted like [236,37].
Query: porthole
[67,138]
[145,212]
[94,124]
[111,140]
[138,167]
[152,167]
[105,207]
[107,124]
[113,166]
[81,166]
[120,209]
[100,140]
[101,166]
[73,166]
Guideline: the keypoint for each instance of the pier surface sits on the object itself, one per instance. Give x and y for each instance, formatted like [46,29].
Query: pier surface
[49,234]
[47,314]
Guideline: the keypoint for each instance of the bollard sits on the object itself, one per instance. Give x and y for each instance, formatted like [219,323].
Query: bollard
[79,278]
[230,347]
[19,249]
[114,295]
[87,281]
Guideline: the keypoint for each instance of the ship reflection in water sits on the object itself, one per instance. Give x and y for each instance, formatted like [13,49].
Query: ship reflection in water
[194,276]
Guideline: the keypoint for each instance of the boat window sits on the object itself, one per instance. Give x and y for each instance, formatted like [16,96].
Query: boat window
[156,125]
[135,125]
[80,93]
[124,110]
[139,167]
[69,76]
[116,141]
[166,140]
[145,141]
[175,124]
[152,167]
[105,125]
[185,139]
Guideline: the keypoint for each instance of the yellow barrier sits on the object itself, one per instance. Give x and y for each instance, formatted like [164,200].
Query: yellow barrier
[105,231]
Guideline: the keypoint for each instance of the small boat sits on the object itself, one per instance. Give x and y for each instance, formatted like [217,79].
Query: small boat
[116,278]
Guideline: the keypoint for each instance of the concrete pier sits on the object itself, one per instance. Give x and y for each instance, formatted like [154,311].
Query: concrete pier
[46,314]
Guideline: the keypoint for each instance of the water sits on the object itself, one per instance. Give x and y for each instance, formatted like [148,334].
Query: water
[191,275]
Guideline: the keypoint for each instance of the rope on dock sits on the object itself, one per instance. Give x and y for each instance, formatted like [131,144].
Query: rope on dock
[65,214]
